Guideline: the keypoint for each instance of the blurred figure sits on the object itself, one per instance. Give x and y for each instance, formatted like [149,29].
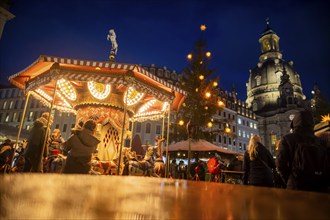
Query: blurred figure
[5,156]
[79,147]
[56,142]
[303,138]
[174,169]
[182,170]
[36,148]
[258,164]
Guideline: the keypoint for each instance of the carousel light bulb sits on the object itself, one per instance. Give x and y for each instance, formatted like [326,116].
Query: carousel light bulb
[67,89]
[132,96]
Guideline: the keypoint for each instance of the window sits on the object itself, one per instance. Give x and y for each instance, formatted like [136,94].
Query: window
[229,141]
[229,115]
[258,80]
[30,117]
[16,104]
[239,132]
[224,140]
[255,126]
[239,120]
[234,129]
[148,128]
[244,146]
[14,119]
[57,126]
[219,138]
[4,106]
[1,116]
[7,118]
[64,127]
[240,145]
[138,127]
[11,105]
[251,125]
[224,114]
[244,134]
[158,129]
[23,103]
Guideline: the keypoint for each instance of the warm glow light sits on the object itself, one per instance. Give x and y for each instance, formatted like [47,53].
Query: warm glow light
[196,90]
[227,130]
[67,89]
[208,54]
[207,94]
[325,118]
[132,96]
[99,90]
[203,27]
[165,106]
[206,107]
[215,84]
[220,103]
[201,77]
[189,56]
[181,122]
[147,105]
[209,124]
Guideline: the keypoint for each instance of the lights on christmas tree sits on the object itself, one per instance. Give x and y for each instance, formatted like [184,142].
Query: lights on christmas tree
[203,27]
[209,124]
[215,84]
[99,90]
[208,54]
[189,56]
[207,95]
[201,77]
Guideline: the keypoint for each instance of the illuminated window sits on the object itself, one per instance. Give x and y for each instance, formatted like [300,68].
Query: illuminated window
[7,118]
[4,106]
[11,104]
[258,80]
[239,132]
[239,121]
[255,126]
[64,127]
[30,117]
[244,135]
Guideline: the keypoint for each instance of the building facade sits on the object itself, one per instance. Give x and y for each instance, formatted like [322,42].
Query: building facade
[274,90]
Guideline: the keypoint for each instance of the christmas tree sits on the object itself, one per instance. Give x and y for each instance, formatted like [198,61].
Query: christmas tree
[195,117]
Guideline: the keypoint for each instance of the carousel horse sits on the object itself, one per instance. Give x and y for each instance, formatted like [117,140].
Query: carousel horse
[148,166]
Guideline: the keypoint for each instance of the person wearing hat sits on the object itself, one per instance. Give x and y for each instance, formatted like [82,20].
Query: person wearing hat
[79,147]
[36,148]
[302,126]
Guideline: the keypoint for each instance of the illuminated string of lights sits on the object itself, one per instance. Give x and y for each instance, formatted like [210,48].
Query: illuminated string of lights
[67,89]
[147,105]
[99,90]
[133,96]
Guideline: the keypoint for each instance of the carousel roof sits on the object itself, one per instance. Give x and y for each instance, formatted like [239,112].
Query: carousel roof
[43,75]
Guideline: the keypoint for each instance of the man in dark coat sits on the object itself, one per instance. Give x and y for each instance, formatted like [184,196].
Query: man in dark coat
[303,132]
[36,148]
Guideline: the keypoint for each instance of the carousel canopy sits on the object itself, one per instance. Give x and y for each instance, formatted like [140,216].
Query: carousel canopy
[201,145]
[75,83]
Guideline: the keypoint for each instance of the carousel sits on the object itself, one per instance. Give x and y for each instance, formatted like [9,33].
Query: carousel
[114,94]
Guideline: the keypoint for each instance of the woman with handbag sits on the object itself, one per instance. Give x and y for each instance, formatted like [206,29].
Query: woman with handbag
[258,164]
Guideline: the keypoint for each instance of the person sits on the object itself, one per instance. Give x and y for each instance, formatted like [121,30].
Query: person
[197,170]
[79,149]
[258,164]
[302,126]
[56,142]
[36,148]
[5,156]
[174,169]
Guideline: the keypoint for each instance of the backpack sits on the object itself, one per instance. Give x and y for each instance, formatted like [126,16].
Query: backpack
[310,166]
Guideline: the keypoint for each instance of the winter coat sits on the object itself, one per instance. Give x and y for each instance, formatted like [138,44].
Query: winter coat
[79,148]
[255,171]
[36,147]
[303,131]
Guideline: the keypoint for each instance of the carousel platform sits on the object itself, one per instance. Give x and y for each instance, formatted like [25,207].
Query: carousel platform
[56,196]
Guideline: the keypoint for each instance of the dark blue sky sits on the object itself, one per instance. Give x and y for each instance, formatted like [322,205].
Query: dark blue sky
[164,32]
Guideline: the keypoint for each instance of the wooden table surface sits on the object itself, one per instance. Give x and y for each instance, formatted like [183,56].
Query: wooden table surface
[59,196]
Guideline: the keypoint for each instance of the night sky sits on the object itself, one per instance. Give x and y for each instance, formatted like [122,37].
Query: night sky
[164,32]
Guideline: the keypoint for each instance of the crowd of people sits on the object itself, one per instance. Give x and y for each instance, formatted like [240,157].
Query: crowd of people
[258,166]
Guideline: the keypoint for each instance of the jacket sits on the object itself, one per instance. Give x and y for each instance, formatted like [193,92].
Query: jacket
[81,144]
[36,140]
[303,131]
[255,171]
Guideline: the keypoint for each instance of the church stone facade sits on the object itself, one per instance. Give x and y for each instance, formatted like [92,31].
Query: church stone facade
[274,90]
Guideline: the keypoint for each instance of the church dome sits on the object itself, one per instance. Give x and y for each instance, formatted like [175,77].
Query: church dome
[273,83]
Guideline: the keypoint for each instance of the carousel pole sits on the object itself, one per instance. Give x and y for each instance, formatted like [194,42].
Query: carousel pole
[48,120]
[167,168]
[20,126]
[122,133]
[130,144]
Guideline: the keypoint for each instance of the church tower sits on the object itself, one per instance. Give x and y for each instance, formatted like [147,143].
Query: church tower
[274,90]
[273,86]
